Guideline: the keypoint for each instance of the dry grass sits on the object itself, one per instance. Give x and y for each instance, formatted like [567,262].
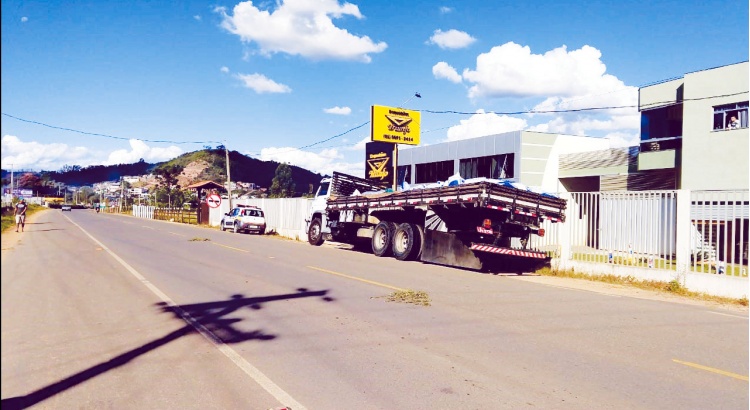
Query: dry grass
[673,287]
[416,297]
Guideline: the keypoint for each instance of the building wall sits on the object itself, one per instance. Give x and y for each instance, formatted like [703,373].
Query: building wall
[714,159]
[536,154]
[660,95]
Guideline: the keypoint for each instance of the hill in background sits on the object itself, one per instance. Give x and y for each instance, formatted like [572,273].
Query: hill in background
[203,165]
[210,165]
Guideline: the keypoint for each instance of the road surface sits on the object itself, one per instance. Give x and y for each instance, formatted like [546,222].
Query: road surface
[110,311]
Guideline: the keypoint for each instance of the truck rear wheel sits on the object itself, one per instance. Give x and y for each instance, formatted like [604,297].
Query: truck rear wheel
[420,230]
[407,242]
[315,232]
[382,238]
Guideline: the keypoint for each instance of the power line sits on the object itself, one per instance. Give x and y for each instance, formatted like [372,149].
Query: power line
[661,103]
[105,135]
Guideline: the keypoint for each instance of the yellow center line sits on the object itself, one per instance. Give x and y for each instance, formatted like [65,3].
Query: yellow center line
[356,278]
[230,247]
[711,369]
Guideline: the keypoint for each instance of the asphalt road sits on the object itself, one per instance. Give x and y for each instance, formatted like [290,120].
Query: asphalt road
[108,311]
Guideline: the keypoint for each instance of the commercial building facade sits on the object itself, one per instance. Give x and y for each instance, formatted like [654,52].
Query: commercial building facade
[528,157]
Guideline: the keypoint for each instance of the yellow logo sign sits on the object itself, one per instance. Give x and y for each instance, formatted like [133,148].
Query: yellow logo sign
[395,125]
[377,164]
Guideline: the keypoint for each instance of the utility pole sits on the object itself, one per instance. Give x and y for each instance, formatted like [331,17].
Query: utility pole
[229,180]
[11,183]
[122,192]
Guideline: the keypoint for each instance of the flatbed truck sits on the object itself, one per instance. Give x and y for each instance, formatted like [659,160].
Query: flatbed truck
[469,225]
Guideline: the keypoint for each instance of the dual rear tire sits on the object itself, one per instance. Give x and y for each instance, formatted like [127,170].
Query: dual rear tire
[403,241]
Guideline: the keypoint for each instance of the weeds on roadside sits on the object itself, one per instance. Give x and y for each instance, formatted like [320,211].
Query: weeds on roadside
[673,287]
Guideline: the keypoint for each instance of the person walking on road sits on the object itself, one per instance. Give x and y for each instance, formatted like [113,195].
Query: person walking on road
[20,213]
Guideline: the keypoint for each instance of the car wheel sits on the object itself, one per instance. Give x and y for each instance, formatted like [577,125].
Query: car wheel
[223,226]
[236,228]
[262,231]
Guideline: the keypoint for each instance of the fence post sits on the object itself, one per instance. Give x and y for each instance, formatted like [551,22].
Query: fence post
[565,233]
[683,231]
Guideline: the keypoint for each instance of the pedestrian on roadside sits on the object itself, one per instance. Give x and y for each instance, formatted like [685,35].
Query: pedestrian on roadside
[20,214]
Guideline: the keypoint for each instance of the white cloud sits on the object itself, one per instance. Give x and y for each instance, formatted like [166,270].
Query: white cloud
[24,19]
[451,39]
[443,70]
[323,162]
[197,17]
[621,139]
[338,110]
[445,10]
[511,70]
[481,124]
[33,155]
[620,96]
[51,157]
[224,69]
[261,84]
[301,27]
[139,150]
[362,144]
[569,82]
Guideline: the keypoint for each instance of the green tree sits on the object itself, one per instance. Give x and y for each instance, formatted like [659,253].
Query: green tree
[282,185]
[168,182]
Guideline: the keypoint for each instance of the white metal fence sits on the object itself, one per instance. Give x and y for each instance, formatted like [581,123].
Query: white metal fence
[285,216]
[658,235]
[641,229]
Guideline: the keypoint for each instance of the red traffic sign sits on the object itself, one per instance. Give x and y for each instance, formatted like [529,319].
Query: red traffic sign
[213,200]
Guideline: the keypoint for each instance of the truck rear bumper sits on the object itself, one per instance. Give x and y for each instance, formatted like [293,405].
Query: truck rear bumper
[507,251]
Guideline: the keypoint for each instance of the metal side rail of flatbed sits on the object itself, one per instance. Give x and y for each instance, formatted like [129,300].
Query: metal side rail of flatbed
[482,194]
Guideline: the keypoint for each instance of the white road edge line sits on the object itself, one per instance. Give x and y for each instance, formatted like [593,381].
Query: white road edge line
[260,378]
[726,314]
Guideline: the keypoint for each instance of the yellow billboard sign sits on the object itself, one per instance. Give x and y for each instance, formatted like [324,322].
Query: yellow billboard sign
[395,125]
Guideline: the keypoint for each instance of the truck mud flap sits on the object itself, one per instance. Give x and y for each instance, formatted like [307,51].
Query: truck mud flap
[445,248]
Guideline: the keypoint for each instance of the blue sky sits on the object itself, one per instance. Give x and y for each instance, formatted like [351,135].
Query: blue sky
[154,80]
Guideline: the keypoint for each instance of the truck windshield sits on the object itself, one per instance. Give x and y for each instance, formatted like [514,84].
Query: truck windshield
[323,188]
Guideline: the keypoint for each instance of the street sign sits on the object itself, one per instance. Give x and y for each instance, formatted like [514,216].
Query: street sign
[213,200]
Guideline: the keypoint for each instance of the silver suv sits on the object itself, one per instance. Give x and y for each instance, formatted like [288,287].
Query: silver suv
[244,218]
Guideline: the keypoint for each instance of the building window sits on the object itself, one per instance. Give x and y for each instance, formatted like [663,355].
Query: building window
[403,174]
[494,167]
[730,116]
[665,122]
[433,171]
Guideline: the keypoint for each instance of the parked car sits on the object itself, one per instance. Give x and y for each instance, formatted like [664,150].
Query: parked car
[244,218]
[67,207]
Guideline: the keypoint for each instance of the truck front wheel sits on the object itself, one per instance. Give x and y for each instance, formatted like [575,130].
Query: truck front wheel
[315,233]
[382,238]
[407,242]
